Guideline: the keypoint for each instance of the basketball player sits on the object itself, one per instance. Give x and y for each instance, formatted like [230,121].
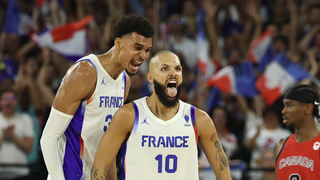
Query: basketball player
[298,156]
[93,89]
[161,132]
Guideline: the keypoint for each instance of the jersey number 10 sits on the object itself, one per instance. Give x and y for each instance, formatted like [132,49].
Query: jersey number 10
[170,159]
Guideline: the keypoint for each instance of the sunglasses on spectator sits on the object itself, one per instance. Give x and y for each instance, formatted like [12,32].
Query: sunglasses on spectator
[9,98]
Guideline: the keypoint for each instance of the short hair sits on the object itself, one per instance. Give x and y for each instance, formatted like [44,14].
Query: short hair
[133,23]
[269,110]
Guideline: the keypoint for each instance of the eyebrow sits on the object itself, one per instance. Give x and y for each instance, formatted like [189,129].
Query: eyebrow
[138,44]
[287,102]
[168,65]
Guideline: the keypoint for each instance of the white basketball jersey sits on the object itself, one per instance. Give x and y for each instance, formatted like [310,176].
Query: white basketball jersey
[91,120]
[161,150]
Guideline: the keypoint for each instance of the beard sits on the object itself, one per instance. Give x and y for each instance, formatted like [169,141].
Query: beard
[160,91]
[290,125]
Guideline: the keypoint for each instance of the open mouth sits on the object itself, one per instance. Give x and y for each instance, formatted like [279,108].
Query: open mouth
[172,88]
[136,64]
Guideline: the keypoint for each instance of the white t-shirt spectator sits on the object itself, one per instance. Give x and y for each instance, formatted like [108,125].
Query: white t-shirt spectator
[10,153]
[266,140]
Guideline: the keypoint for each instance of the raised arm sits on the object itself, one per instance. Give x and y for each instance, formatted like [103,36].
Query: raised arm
[211,146]
[118,131]
[65,104]
[211,28]
[292,7]
[304,42]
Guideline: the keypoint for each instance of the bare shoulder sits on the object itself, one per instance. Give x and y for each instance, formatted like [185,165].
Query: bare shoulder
[204,122]
[78,84]
[201,116]
[124,117]
[126,110]
[82,71]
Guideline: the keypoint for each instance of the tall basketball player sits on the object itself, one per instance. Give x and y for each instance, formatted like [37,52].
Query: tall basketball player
[93,89]
[161,132]
[298,156]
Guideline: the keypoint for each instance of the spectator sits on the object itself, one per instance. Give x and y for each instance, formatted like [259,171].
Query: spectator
[179,43]
[263,137]
[16,138]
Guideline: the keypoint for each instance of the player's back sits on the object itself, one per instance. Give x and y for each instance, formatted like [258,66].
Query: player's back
[91,120]
[158,149]
[298,161]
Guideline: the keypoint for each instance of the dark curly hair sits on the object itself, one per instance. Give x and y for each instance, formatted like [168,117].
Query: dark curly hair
[133,23]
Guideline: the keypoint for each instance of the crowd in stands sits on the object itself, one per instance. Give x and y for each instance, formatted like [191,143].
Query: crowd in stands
[219,31]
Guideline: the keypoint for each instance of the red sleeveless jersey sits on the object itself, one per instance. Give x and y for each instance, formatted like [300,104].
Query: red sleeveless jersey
[299,161]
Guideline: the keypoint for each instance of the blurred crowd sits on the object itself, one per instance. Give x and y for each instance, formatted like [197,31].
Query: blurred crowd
[248,128]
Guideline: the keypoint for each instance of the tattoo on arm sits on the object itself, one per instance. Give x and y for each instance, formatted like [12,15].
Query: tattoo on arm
[221,156]
[94,174]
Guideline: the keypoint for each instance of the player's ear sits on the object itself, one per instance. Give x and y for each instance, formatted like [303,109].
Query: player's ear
[309,108]
[117,42]
[150,77]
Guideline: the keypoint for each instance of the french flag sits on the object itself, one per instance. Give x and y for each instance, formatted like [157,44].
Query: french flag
[68,40]
[235,79]
[279,75]
[18,22]
[261,50]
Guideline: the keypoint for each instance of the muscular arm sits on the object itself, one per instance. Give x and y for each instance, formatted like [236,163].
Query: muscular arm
[119,129]
[78,85]
[211,146]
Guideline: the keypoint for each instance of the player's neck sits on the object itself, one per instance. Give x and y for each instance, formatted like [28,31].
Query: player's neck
[307,132]
[159,110]
[111,63]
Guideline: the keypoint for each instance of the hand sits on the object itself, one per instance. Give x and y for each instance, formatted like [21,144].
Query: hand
[211,8]
[292,6]
[21,76]
[258,129]
[8,133]
[53,5]
[252,11]
[29,69]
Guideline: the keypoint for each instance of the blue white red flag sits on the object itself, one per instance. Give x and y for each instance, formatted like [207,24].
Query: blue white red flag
[68,40]
[279,76]
[235,79]
[17,21]
[261,50]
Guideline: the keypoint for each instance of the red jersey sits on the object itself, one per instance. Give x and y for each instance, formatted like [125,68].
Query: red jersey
[299,161]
